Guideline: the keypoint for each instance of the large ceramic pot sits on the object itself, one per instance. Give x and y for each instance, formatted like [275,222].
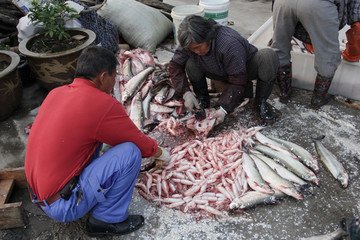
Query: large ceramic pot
[55,69]
[10,84]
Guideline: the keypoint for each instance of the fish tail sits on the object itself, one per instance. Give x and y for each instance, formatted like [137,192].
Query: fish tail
[319,138]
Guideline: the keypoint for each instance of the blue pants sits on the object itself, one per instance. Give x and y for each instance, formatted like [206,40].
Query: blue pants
[107,184]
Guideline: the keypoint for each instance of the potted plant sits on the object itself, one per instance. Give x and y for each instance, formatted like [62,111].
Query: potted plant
[10,83]
[52,54]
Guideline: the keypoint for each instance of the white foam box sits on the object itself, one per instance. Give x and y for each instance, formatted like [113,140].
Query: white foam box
[346,81]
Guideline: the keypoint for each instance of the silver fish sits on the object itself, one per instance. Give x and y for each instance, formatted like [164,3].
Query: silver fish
[332,163]
[154,107]
[251,198]
[337,234]
[274,180]
[162,94]
[127,68]
[135,83]
[254,177]
[292,164]
[302,153]
[136,114]
[273,144]
[279,169]
[146,105]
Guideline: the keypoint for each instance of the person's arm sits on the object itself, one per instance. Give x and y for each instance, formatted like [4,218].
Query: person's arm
[178,78]
[177,72]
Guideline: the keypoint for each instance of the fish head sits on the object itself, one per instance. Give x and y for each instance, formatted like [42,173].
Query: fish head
[125,96]
[344,181]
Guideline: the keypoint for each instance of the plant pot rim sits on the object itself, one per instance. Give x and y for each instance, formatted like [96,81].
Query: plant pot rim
[25,51]
[15,59]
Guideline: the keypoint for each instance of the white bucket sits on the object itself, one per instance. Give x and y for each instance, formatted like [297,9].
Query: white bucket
[180,12]
[216,9]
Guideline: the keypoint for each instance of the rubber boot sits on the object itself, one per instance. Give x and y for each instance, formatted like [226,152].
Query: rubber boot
[352,51]
[354,228]
[263,91]
[320,95]
[284,78]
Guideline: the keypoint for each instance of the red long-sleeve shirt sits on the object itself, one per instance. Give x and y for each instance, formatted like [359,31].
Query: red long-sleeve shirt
[71,122]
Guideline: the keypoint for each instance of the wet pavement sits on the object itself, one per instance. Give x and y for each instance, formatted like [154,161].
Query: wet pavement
[319,212]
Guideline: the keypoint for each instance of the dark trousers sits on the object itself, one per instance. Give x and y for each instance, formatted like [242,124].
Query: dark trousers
[262,67]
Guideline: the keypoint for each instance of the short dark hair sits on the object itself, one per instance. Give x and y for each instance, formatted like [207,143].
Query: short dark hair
[95,60]
[196,29]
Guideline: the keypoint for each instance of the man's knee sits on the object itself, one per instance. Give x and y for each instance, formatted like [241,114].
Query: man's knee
[128,150]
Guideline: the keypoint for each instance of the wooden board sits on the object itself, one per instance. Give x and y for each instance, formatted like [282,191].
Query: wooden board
[18,174]
[6,187]
[12,215]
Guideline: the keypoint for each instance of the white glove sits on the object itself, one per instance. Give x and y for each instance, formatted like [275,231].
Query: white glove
[165,155]
[219,115]
[190,101]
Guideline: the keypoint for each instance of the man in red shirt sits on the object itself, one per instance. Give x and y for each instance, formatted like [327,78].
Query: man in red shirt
[66,175]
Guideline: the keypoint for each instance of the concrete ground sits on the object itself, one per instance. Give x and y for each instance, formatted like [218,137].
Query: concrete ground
[318,213]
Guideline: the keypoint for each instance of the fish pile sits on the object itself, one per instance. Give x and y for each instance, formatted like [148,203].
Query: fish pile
[145,90]
[231,172]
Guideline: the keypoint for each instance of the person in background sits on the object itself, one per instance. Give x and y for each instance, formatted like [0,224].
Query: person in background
[66,176]
[316,23]
[208,49]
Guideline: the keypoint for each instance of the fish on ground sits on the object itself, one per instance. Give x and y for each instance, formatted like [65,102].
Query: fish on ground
[252,198]
[253,176]
[304,156]
[279,169]
[331,163]
[292,164]
[274,180]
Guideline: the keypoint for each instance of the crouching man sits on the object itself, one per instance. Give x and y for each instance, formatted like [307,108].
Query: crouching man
[67,178]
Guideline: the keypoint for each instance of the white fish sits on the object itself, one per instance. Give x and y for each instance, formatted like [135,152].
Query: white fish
[301,152]
[274,180]
[253,176]
[273,144]
[154,107]
[136,114]
[279,169]
[332,163]
[337,234]
[252,198]
[135,83]
[126,68]
[146,105]
[292,164]
[162,94]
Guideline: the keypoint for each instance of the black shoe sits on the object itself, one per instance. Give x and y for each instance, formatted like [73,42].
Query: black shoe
[97,228]
[266,113]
